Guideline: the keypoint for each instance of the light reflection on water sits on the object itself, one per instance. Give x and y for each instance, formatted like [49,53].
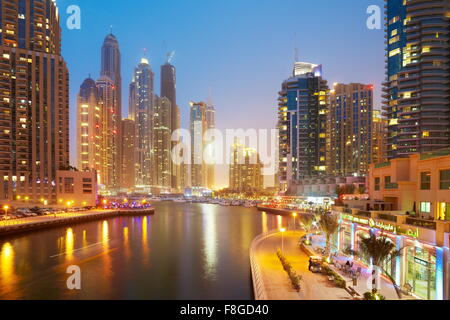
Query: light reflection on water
[184,251]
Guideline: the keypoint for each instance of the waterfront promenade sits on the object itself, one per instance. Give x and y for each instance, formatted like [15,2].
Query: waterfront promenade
[274,281]
[8,227]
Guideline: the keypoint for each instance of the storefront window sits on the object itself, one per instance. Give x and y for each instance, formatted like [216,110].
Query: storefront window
[364,235]
[425,207]
[346,239]
[421,272]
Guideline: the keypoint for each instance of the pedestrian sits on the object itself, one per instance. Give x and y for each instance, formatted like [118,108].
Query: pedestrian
[310,264]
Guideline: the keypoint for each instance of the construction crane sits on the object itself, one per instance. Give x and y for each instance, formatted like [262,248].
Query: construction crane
[170,56]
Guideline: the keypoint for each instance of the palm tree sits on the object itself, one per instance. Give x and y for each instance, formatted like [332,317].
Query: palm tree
[307,221]
[380,250]
[329,224]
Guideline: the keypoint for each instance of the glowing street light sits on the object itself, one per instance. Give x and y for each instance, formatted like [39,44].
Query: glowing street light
[6,208]
[282,230]
[295,217]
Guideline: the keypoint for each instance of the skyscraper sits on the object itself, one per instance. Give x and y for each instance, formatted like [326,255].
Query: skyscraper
[34,104]
[210,114]
[161,145]
[379,126]
[349,134]
[111,67]
[416,90]
[141,104]
[90,129]
[110,86]
[168,90]
[128,154]
[111,126]
[303,107]
[198,126]
[245,173]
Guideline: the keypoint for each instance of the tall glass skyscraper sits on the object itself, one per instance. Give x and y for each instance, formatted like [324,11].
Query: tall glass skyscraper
[416,90]
[141,108]
[169,91]
[302,125]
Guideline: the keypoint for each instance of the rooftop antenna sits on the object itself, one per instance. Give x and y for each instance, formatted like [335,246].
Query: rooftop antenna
[111,29]
[296,51]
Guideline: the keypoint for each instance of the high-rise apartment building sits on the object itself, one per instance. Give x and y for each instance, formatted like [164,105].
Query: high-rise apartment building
[349,133]
[90,129]
[169,91]
[379,127]
[303,107]
[110,89]
[199,172]
[128,154]
[245,173]
[141,104]
[161,144]
[416,91]
[210,114]
[111,126]
[34,104]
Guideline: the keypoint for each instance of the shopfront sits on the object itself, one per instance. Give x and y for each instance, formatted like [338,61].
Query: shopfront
[421,271]
[421,264]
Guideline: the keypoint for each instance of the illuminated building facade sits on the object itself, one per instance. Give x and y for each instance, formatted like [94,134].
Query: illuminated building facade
[379,128]
[302,117]
[210,114]
[349,148]
[416,91]
[199,172]
[245,173]
[89,128]
[34,104]
[111,123]
[169,91]
[128,154]
[161,144]
[141,104]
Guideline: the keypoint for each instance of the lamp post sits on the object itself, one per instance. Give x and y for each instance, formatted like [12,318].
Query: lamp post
[295,218]
[282,230]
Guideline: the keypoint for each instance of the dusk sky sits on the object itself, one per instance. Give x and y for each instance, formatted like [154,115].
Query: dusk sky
[240,50]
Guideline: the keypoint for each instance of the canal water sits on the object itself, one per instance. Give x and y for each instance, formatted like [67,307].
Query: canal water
[184,251]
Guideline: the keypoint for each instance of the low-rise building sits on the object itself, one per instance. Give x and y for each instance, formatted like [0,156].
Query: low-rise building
[409,204]
[77,188]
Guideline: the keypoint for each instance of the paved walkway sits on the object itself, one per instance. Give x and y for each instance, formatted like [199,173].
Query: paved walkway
[276,280]
[365,281]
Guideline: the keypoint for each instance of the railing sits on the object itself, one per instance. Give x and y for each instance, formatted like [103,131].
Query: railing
[421,223]
[382,165]
[366,214]
[387,217]
[258,284]
[391,186]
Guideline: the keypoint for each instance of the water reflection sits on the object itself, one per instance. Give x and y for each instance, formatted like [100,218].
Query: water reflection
[210,241]
[69,244]
[7,273]
[264,222]
[184,251]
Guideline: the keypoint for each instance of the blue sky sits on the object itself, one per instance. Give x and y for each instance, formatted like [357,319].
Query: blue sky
[241,50]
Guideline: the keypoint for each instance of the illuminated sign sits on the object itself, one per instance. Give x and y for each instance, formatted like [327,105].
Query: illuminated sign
[382,226]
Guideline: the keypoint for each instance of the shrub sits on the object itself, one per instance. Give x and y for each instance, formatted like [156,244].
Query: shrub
[293,276]
[373,296]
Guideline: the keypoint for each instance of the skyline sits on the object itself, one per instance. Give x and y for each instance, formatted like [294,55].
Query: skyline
[227,73]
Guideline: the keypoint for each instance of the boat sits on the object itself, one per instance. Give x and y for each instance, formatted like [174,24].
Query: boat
[179,200]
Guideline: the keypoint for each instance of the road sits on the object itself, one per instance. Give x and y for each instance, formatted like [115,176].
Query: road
[276,280]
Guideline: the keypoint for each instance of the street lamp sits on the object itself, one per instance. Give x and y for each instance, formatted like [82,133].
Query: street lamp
[282,230]
[295,216]
[6,208]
